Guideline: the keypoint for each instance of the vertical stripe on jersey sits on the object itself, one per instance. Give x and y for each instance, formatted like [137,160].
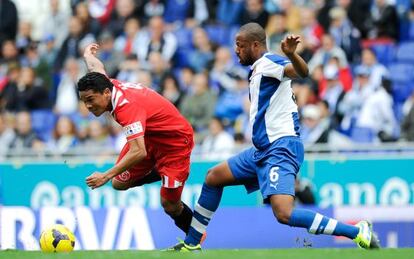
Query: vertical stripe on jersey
[296,123]
[268,86]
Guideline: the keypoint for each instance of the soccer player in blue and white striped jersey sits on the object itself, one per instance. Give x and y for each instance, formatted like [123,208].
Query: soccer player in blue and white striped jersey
[272,164]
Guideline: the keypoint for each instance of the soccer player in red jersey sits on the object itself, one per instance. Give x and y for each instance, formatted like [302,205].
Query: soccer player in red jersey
[160,139]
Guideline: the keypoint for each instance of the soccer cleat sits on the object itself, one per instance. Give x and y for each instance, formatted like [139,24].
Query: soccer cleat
[366,238]
[183,247]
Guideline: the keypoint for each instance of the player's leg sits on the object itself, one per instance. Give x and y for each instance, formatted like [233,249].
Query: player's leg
[209,200]
[315,223]
[140,174]
[237,170]
[175,208]
[277,177]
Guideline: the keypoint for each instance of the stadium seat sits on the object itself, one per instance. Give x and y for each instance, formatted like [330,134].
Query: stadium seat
[401,72]
[362,135]
[405,52]
[218,34]
[176,10]
[181,58]
[43,122]
[385,52]
[184,37]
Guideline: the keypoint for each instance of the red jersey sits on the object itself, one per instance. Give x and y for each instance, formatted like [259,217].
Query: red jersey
[142,111]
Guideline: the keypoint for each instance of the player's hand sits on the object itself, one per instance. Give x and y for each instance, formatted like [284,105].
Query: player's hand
[289,44]
[96,180]
[91,49]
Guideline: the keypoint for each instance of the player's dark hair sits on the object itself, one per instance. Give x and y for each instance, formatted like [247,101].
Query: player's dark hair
[94,81]
[254,32]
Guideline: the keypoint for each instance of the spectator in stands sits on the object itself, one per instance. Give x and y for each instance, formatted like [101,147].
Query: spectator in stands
[157,39]
[218,144]
[56,24]
[304,92]
[158,68]
[9,21]
[117,135]
[383,20]
[311,30]
[128,69]
[89,23]
[151,8]
[9,54]
[24,36]
[229,11]
[377,70]
[25,136]
[312,130]
[123,10]
[276,30]
[41,67]
[67,98]
[7,135]
[71,45]
[254,12]
[407,125]
[171,90]
[303,192]
[129,39]
[345,34]
[230,102]
[225,70]
[377,113]
[201,57]
[26,94]
[98,135]
[357,13]
[108,54]
[351,105]
[48,50]
[293,15]
[328,50]
[64,136]
[334,92]
[242,123]
[185,79]
[198,105]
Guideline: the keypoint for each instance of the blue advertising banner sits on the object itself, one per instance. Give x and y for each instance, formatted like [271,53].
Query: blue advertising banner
[339,180]
[63,184]
[146,229]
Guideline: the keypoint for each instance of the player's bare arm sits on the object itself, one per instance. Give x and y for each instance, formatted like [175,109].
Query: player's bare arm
[135,154]
[298,67]
[92,62]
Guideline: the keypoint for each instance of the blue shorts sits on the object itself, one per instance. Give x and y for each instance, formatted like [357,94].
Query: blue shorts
[272,170]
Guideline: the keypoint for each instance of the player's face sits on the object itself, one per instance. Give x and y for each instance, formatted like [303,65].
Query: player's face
[244,50]
[97,103]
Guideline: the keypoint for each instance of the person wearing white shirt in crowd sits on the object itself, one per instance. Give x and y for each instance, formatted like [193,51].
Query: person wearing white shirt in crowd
[219,144]
[378,115]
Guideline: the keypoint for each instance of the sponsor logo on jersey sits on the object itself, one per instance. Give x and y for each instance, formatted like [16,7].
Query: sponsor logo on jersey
[133,129]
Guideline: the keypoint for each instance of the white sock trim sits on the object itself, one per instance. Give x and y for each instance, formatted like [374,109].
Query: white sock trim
[203,211]
[330,227]
[198,226]
[315,224]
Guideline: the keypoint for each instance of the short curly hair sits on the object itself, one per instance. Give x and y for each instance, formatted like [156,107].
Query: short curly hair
[94,81]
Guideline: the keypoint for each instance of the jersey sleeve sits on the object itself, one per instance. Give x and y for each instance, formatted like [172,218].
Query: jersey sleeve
[132,118]
[275,67]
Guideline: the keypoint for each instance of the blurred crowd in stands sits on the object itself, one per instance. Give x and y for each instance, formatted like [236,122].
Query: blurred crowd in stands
[360,54]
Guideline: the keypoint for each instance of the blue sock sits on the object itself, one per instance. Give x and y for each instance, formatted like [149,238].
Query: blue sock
[319,224]
[207,204]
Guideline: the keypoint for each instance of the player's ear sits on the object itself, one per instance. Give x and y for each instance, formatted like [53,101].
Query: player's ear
[107,92]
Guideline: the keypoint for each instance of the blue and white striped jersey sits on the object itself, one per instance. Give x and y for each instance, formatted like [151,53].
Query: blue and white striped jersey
[273,111]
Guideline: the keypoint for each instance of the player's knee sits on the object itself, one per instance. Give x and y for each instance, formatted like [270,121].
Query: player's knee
[171,208]
[119,186]
[212,178]
[282,214]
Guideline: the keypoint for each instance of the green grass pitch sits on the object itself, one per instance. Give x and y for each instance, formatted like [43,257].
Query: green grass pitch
[302,253]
